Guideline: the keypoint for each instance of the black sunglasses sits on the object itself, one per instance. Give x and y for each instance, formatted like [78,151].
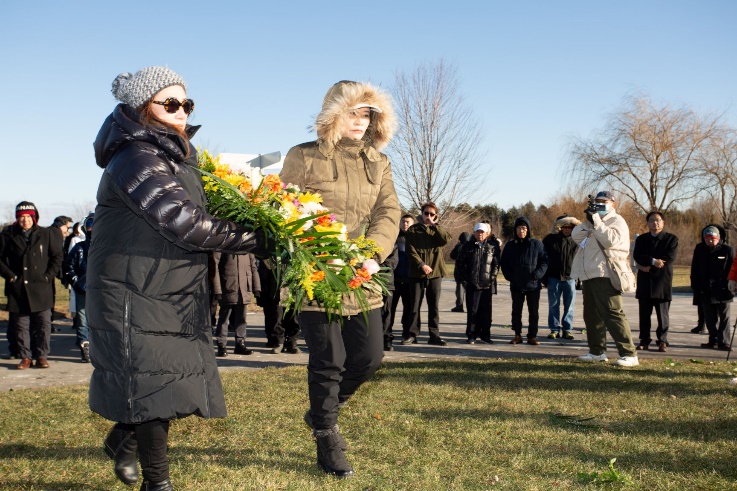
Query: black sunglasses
[429,214]
[172,105]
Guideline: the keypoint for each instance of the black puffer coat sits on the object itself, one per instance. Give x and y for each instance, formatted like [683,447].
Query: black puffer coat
[147,291]
[478,263]
[74,268]
[35,263]
[710,269]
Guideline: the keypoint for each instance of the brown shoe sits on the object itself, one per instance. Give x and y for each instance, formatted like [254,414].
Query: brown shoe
[41,363]
[533,341]
[516,340]
[24,363]
[662,347]
[643,346]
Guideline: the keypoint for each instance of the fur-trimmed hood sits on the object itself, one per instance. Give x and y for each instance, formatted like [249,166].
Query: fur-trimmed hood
[562,221]
[345,95]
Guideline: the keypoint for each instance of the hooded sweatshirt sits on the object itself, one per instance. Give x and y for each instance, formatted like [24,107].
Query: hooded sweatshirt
[710,269]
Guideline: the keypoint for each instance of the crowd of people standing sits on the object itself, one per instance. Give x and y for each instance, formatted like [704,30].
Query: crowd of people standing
[163,276]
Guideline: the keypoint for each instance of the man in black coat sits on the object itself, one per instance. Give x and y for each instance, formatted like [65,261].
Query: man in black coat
[30,259]
[655,253]
[712,259]
[524,263]
[478,265]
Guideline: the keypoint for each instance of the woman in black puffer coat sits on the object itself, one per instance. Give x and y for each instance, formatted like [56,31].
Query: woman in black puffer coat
[148,299]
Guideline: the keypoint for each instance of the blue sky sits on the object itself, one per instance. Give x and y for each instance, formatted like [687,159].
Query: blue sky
[534,72]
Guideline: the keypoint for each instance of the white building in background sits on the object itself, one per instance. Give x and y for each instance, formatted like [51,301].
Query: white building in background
[239,161]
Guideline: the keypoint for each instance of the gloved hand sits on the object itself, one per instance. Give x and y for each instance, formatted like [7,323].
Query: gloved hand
[590,217]
[218,297]
[732,286]
[257,294]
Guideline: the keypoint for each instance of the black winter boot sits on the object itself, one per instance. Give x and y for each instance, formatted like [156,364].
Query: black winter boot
[341,441]
[330,456]
[242,349]
[157,486]
[121,446]
[222,353]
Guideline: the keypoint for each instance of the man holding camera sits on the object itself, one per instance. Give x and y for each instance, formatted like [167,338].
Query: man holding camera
[602,236]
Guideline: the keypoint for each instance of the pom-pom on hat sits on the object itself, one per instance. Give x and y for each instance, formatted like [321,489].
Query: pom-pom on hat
[138,88]
[26,208]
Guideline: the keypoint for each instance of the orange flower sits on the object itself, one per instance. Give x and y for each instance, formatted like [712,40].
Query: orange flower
[355,282]
[318,276]
[363,274]
[324,220]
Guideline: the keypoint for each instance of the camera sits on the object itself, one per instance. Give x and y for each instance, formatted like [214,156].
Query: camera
[594,206]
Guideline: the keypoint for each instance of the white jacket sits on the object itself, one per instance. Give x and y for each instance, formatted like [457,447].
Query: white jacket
[612,233]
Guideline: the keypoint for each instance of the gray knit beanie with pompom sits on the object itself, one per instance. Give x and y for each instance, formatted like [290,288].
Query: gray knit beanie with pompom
[137,89]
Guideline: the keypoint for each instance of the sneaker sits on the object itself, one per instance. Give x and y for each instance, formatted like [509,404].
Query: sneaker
[590,357]
[552,335]
[568,335]
[470,341]
[409,340]
[627,361]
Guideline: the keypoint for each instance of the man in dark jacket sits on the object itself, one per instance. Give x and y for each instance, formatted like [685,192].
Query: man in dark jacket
[425,242]
[560,249]
[74,272]
[239,279]
[712,259]
[402,283]
[30,259]
[478,264]
[460,286]
[655,253]
[524,263]
[60,229]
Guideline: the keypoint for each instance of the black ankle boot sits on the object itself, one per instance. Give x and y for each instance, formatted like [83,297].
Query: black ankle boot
[157,486]
[330,456]
[121,446]
[341,441]
[222,353]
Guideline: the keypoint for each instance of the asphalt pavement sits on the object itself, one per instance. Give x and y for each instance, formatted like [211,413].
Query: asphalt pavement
[67,368]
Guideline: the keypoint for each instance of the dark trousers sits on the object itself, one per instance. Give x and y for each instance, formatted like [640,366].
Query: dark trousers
[281,327]
[662,308]
[387,318]
[33,334]
[713,312]
[403,292]
[152,438]
[460,293]
[478,313]
[234,315]
[342,357]
[12,334]
[533,307]
[430,289]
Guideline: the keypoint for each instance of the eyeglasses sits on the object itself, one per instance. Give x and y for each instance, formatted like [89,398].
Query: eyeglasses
[172,105]
[428,214]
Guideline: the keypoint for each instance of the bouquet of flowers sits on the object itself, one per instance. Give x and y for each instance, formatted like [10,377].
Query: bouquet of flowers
[315,260]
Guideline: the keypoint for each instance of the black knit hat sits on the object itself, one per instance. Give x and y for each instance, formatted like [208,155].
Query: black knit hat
[27,208]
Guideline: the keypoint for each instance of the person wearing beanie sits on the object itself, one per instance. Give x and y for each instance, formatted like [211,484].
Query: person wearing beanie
[655,254]
[560,248]
[478,264]
[711,267]
[30,259]
[345,165]
[146,290]
[603,237]
[523,264]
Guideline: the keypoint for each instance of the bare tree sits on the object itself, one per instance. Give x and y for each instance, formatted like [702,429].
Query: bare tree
[645,152]
[719,162]
[435,153]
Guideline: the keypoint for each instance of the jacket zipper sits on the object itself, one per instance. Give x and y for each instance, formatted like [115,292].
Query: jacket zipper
[127,346]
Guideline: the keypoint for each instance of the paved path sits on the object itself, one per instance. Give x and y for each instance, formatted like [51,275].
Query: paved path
[66,367]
